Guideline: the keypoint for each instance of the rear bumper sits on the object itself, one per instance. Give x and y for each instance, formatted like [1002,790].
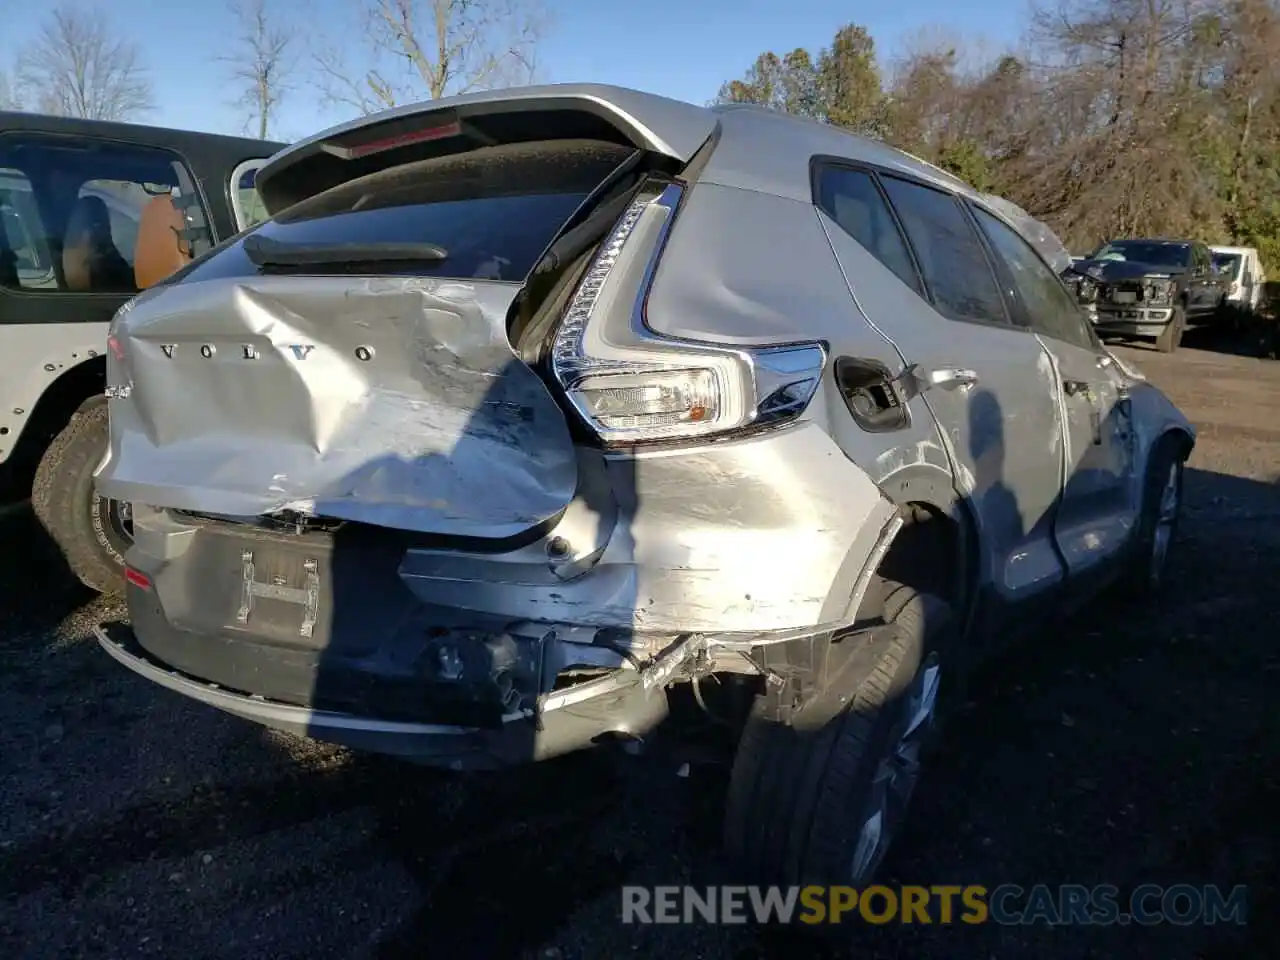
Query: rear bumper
[569,720]
[368,639]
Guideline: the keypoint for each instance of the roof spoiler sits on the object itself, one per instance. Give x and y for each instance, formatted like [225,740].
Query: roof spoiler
[668,127]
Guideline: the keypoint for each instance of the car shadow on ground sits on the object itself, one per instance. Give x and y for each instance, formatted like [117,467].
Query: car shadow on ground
[37,588]
[1136,744]
[1132,746]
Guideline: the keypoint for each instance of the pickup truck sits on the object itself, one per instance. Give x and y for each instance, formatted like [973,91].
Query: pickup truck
[1149,288]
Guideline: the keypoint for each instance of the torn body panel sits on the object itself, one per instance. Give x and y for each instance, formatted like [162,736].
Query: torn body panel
[745,538]
[393,401]
[475,658]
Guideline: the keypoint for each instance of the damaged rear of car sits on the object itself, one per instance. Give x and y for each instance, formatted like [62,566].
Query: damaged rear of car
[412,473]
[527,412]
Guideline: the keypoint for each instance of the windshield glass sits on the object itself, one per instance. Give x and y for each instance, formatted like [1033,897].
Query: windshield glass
[1145,251]
[1223,260]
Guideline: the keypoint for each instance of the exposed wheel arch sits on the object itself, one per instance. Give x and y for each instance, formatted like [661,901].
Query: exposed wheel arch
[937,549]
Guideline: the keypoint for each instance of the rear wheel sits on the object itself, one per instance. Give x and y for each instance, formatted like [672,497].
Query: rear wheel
[92,532]
[1158,523]
[820,799]
[1171,336]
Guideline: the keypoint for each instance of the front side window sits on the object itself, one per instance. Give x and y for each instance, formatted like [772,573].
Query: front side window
[1051,310]
[71,211]
[949,252]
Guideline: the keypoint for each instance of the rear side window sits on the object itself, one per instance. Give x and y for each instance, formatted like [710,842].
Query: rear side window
[246,203]
[71,209]
[851,198]
[949,252]
[493,211]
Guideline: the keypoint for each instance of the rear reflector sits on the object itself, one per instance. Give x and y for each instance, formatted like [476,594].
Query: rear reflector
[137,579]
[353,151]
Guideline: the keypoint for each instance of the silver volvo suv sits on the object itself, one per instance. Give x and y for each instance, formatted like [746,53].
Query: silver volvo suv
[531,417]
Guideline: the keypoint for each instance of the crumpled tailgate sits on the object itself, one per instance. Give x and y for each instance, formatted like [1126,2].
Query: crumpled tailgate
[392,401]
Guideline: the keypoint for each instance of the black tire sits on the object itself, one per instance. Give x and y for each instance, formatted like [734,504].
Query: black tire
[86,527]
[1171,336]
[1144,575]
[798,791]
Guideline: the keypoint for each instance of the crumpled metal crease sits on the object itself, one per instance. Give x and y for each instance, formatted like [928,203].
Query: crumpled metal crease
[395,401]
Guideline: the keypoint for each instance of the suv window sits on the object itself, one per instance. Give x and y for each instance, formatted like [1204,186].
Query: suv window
[124,200]
[71,213]
[246,203]
[494,211]
[950,255]
[1051,310]
[24,261]
[852,199]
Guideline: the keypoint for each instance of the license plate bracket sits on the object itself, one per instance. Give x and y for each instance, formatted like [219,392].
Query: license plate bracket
[277,588]
[1124,296]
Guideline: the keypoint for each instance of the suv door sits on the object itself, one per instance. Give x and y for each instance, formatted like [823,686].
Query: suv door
[1097,513]
[1203,291]
[940,308]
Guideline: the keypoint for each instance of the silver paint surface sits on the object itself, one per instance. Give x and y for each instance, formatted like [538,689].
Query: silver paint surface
[442,430]
[767,533]
[32,357]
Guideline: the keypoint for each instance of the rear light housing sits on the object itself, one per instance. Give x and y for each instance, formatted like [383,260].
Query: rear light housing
[630,385]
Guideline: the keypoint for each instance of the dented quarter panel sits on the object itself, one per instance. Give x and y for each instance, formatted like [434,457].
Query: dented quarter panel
[1152,416]
[761,534]
[36,355]
[393,401]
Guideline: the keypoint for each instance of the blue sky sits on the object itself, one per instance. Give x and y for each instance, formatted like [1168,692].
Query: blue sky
[680,48]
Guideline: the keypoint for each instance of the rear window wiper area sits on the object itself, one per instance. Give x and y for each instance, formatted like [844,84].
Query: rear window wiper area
[265,252]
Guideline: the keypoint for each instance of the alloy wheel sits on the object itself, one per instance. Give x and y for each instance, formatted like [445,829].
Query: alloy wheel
[897,773]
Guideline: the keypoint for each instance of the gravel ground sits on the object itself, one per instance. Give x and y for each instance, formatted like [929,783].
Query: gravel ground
[1139,745]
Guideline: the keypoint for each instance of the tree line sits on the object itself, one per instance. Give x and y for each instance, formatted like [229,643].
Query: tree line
[1110,118]
[374,55]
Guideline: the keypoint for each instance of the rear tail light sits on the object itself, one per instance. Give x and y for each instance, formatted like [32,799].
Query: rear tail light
[631,385]
[137,578]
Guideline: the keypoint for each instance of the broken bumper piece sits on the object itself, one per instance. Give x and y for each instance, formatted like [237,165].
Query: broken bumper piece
[557,721]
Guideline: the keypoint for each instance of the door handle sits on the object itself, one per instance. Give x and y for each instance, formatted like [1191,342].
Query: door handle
[950,378]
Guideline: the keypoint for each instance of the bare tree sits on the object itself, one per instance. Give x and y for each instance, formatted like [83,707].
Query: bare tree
[261,65]
[8,95]
[77,67]
[426,49]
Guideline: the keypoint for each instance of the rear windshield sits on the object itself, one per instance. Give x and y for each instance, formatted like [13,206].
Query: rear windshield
[493,210]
